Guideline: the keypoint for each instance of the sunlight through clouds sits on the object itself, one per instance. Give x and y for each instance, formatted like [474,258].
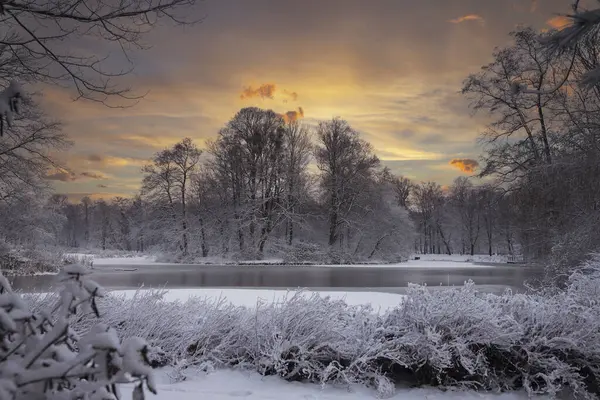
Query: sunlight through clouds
[394,71]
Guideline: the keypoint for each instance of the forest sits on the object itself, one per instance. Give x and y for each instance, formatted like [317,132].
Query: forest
[252,193]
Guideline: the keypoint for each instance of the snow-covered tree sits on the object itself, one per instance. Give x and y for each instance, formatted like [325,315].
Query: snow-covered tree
[168,181]
[346,163]
[43,357]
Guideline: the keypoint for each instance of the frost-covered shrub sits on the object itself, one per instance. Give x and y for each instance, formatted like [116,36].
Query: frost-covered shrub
[575,246]
[42,356]
[27,261]
[82,259]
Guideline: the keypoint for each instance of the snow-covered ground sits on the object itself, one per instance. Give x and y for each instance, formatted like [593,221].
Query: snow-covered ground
[232,384]
[426,261]
[251,297]
[462,258]
[421,264]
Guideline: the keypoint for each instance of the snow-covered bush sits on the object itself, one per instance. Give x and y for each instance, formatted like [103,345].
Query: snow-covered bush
[19,260]
[86,260]
[42,356]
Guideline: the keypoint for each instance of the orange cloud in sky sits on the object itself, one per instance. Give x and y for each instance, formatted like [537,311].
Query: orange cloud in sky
[558,22]
[111,161]
[468,17]
[294,115]
[265,90]
[467,165]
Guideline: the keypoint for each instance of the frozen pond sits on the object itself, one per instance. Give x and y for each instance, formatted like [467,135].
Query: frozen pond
[492,278]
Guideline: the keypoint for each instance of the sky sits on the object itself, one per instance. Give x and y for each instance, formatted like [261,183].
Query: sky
[392,68]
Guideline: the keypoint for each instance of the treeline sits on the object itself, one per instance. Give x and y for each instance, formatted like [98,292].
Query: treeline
[464,219]
[253,194]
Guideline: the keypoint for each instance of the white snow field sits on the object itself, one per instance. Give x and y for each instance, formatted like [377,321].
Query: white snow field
[251,297]
[235,384]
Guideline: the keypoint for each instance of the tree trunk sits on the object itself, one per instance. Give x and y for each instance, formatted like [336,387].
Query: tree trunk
[445,241]
[184,238]
[377,244]
[203,244]
[261,243]
[333,222]
[472,249]
[86,234]
[290,232]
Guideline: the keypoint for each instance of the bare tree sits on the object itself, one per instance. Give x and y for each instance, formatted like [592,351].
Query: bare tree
[525,120]
[489,200]
[32,45]
[345,161]
[203,190]
[104,225]
[167,181]
[86,203]
[298,150]
[249,155]
[402,190]
[432,211]
[25,155]
[466,200]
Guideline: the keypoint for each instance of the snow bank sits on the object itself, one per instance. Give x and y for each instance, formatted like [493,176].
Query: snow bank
[483,258]
[423,263]
[136,260]
[228,384]
[426,261]
[439,264]
[251,297]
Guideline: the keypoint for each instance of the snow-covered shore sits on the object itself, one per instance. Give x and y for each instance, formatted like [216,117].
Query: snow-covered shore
[425,261]
[231,384]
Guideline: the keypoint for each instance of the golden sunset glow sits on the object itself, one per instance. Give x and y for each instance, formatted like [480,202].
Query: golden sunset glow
[559,22]
[392,69]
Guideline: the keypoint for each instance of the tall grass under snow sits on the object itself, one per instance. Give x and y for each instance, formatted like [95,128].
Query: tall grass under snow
[545,344]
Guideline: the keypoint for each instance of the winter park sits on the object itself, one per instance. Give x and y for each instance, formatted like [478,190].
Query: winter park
[330,199]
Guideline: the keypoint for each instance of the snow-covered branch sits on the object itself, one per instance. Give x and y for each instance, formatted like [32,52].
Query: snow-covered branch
[42,355]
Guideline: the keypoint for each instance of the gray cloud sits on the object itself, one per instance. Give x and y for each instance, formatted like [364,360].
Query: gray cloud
[62,175]
[92,175]
[95,158]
